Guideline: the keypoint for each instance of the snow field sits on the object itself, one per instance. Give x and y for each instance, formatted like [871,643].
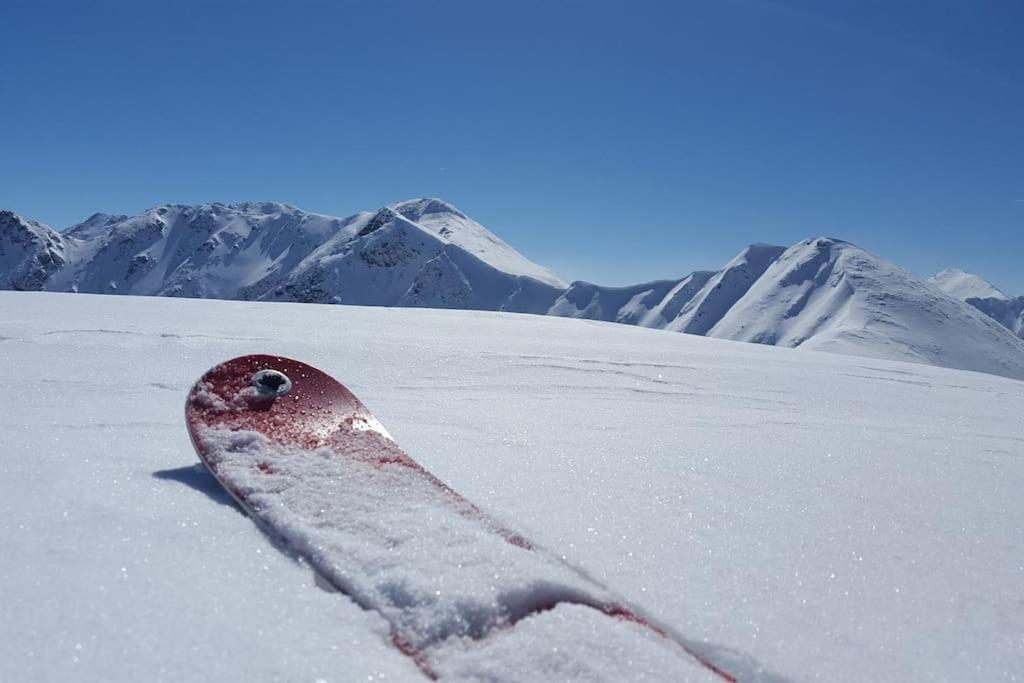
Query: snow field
[824,517]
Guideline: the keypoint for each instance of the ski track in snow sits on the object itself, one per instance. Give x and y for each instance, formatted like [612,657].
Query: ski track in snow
[802,508]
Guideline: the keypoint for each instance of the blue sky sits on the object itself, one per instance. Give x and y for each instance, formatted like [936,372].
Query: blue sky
[613,141]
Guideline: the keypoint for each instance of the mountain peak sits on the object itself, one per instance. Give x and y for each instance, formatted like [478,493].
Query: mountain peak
[261,208]
[251,250]
[758,252]
[9,219]
[384,215]
[30,252]
[962,285]
[446,222]
[416,209]
[96,223]
[823,243]
[253,208]
[11,223]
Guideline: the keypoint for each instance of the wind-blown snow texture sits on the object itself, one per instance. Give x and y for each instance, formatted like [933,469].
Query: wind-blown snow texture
[831,517]
[820,293]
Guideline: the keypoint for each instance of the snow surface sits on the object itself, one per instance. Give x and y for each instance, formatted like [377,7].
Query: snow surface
[824,517]
[471,605]
[961,285]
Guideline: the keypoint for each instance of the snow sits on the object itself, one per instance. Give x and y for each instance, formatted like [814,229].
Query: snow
[419,252]
[830,295]
[457,593]
[823,294]
[210,250]
[601,649]
[361,522]
[1007,312]
[815,516]
[630,305]
[30,252]
[964,286]
[820,293]
[724,289]
[454,227]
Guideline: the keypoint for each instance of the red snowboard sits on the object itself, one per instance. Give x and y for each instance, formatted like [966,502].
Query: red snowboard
[314,468]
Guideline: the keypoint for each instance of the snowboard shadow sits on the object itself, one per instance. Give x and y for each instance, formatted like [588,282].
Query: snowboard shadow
[198,478]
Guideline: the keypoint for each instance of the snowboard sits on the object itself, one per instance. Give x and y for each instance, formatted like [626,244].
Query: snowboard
[463,595]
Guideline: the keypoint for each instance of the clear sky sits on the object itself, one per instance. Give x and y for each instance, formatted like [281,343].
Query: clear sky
[613,141]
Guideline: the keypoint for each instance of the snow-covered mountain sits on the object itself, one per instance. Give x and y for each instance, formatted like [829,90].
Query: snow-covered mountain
[30,253]
[1006,310]
[820,293]
[962,285]
[831,295]
[651,304]
[421,253]
[693,304]
[210,251]
[416,253]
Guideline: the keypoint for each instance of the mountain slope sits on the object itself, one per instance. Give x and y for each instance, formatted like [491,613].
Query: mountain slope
[425,253]
[454,227]
[830,295]
[387,259]
[821,294]
[693,305]
[723,289]
[30,253]
[208,251]
[421,252]
[633,305]
[964,286]
[1007,312]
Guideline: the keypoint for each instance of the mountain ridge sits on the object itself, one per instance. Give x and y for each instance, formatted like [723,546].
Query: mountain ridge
[973,289]
[821,293]
[963,285]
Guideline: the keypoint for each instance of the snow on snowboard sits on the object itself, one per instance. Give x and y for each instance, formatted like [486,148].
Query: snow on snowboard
[465,597]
